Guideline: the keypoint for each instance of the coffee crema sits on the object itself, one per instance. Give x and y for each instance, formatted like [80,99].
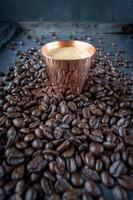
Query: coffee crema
[67,53]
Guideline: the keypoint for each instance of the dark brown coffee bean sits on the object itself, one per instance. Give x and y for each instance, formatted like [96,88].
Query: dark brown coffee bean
[29,137]
[36,164]
[31,194]
[119,193]
[20,187]
[92,188]
[91,174]
[39,133]
[99,165]
[63,108]
[73,195]
[69,152]
[129,139]
[58,132]
[63,146]
[62,185]
[55,197]
[18,173]
[117,168]
[76,180]
[126,181]
[96,149]
[76,131]
[87,196]
[37,143]
[106,179]
[71,165]
[72,106]
[122,131]
[25,130]
[45,185]
[109,145]
[18,122]
[90,160]
[86,113]
[15,157]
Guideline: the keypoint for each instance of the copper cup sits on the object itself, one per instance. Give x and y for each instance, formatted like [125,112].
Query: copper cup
[68,76]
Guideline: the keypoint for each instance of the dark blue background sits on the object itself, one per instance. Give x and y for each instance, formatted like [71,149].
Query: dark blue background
[67,10]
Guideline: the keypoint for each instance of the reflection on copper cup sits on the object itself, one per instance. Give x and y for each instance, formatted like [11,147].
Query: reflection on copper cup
[68,76]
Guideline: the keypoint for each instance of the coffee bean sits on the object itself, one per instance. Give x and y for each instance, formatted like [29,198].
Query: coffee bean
[119,193]
[69,152]
[36,164]
[96,148]
[72,106]
[18,122]
[39,133]
[91,174]
[99,165]
[29,137]
[106,179]
[118,168]
[18,173]
[37,143]
[92,188]
[129,139]
[63,146]
[71,164]
[45,185]
[20,187]
[31,194]
[76,180]
[126,181]
[90,160]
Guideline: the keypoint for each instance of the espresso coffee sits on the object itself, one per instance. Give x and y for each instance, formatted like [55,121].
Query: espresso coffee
[67,53]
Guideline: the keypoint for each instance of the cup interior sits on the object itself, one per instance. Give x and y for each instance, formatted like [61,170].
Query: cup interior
[86,47]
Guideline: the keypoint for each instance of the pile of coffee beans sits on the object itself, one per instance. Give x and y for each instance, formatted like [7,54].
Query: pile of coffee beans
[64,147]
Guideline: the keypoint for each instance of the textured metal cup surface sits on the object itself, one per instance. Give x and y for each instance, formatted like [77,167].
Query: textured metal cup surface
[68,76]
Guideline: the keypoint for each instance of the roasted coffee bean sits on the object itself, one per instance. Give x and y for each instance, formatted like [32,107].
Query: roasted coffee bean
[126,181]
[91,174]
[45,185]
[99,165]
[55,197]
[62,185]
[77,180]
[96,149]
[15,157]
[92,188]
[20,187]
[29,137]
[106,179]
[76,131]
[37,143]
[119,193]
[18,122]
[36,164]
[39,133]
[90,160]
[72,106]
[18,173]
[63,146]
[31,194]
[129,139]
[117,168]
[69,152]
[71,165]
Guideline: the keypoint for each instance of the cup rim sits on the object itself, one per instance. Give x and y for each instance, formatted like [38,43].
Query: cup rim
[69,43]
